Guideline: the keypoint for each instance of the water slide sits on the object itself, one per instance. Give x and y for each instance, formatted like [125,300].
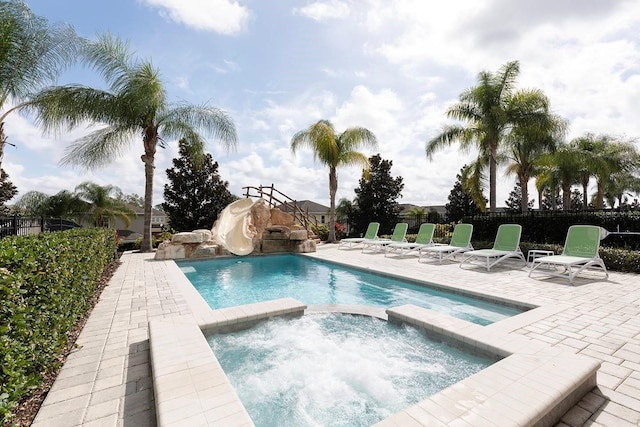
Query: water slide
[232,231]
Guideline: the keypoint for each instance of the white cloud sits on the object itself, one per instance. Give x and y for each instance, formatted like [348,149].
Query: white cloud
[323,10]
[221,16]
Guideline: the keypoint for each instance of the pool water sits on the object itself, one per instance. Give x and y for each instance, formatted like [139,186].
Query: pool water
[229,282]
[336,370]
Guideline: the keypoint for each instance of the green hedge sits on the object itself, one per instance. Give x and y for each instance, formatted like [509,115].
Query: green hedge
[46,284]
[551,226]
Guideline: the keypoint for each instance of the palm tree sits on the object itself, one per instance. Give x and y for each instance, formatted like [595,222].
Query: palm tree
[561,167]
[32,53]
[617,159]
[101,207]
[589,159]
[528,142]
[620,185]
[334,150]
[134,104]
[491,109]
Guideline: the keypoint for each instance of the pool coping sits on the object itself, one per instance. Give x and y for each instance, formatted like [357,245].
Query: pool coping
[531,384]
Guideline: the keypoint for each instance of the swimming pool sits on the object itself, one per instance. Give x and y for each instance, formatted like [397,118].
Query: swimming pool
[232,281]
[336,370]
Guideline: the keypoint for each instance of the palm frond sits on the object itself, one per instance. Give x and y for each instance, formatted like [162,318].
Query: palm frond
[506,78]
[474,182]
[33,52]
[357,137]
[100,147]
[354,158]
[184,120]
[321,138]
[110,56]
[143,92]
[447,137]
[66,107]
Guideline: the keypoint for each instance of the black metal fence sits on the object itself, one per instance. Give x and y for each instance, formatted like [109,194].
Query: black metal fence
[19,226]
[623,227]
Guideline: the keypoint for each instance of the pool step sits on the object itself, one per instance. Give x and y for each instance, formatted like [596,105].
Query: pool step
[532,385]
[190,386]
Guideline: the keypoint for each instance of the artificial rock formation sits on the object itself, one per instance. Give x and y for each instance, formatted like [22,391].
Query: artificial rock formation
[271,230]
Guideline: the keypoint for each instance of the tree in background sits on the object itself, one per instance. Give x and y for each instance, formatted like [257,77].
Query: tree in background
[563,168]
[130,199]
[7,191]
[89,201]
[576,200]
[334,150]
[101,206]
[418,213]
[32,53]
[491,110]
[376,198]
[528,142]
[195,194]
[64,204]
[550,200]
[514,202]
[611,161]
[461,203]
[134,105]
[344,214]
[345,208]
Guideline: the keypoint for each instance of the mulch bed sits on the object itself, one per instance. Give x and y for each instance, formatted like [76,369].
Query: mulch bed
[27,408]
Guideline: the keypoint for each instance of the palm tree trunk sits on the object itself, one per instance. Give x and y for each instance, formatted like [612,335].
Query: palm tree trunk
[333,188]
[585,185]
[3,140]
[540,196]
[524,203]
[148,158]
[600,195]
[566,197]
[492,176]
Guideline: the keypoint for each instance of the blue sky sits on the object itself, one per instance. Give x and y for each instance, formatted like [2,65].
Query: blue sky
[392,66]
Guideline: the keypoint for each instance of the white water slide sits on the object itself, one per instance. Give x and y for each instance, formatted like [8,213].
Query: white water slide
[232,227]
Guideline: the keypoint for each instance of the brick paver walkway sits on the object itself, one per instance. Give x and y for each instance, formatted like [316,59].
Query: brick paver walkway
[106,380]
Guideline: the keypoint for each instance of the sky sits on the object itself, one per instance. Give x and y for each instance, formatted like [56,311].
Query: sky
[391,66]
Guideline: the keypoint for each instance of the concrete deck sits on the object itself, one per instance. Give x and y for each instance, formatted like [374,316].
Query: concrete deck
[106,381]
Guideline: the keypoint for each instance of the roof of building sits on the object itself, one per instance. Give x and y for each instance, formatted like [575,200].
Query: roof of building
[311,207]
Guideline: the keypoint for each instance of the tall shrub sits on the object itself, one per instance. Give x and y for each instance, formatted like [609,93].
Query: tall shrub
[46,284]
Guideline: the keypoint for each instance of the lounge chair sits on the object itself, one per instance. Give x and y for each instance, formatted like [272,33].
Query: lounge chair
[460,243]
[580,252]
[399,233]
[423,239]
[506,245]
[371,234]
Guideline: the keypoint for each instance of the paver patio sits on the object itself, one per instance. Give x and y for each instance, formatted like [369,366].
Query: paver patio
[106,381]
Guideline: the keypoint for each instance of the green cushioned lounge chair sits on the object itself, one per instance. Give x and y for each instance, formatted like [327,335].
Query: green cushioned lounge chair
[399,233]
[371,234]
[423,239]
[580,253]
[460,243]
[506,245]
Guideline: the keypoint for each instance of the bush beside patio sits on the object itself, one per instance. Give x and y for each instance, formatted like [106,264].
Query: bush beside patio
[47,282]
